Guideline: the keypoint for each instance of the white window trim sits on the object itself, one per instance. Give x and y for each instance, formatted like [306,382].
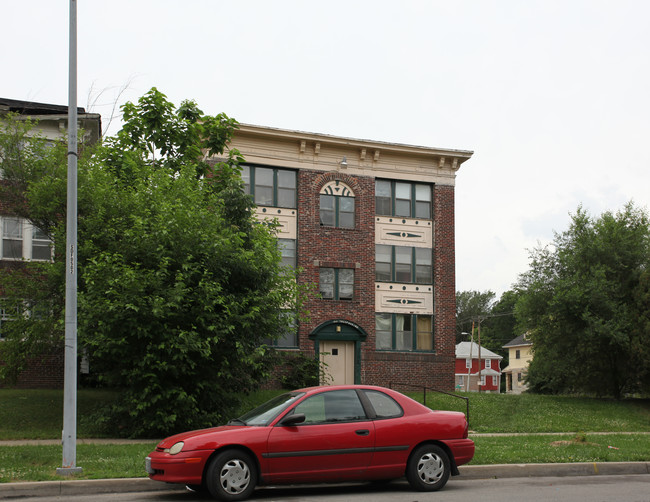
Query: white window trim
[27,242]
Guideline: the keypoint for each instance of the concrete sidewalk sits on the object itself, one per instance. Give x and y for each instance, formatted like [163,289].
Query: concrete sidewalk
[467,472]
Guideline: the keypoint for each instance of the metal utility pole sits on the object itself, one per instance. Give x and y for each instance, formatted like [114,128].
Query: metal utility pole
[469,370]
[69,435]
[480,371]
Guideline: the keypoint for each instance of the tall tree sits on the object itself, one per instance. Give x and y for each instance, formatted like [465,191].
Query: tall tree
[582,301]
[178,284]
[471,306]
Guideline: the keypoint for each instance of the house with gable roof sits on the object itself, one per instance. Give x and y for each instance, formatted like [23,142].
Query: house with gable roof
[477,368]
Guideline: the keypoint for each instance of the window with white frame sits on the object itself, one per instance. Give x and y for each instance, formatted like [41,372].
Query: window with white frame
[21,240]
[482,380]
[468,363]
[488,363]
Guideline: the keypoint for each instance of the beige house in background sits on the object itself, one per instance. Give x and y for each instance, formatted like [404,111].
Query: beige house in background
[520,352]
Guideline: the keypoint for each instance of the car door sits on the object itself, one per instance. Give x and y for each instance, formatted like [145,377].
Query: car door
[335,441]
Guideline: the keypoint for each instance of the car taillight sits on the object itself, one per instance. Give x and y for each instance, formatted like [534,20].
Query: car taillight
[466,432]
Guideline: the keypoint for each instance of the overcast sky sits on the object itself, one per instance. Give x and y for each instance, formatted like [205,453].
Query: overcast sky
[552,96]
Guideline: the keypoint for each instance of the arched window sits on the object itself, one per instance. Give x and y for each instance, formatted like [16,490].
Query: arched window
[337,205]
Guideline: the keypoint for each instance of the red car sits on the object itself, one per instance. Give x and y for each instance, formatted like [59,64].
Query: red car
[320,434]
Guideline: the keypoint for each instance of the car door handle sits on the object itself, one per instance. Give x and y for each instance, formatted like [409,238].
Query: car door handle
[363,432]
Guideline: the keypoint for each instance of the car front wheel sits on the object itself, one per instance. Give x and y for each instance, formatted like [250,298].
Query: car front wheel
[428,468]
[231,476]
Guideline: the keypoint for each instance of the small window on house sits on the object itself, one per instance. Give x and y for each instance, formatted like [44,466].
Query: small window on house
[40,245]
[404,332]
[288,251]
[403,264]
[336,283]
[468,363]
[12,238]
[337,205]
[488,363]
[401,198]
[289,339]
[270,186]
[21,240]
[517,354]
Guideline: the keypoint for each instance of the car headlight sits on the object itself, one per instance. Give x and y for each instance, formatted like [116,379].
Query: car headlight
[175,448]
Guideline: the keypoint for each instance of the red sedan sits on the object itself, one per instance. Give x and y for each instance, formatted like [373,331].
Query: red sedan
[320,434]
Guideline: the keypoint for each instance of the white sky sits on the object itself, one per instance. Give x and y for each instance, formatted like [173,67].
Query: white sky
[553,96]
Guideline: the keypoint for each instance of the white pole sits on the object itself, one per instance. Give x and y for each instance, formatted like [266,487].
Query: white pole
[69,435]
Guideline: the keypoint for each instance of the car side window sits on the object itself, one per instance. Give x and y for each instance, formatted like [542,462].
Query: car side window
[384,405]
[332,407]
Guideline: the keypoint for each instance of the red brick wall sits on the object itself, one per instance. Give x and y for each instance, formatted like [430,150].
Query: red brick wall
[355,248]
[337,248]
[44,372]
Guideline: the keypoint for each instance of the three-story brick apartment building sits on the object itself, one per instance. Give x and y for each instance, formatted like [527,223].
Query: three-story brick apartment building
[372,224]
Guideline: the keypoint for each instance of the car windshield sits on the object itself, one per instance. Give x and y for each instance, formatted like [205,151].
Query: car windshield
[265,413]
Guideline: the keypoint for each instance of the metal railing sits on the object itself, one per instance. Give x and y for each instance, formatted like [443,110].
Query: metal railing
[424,390]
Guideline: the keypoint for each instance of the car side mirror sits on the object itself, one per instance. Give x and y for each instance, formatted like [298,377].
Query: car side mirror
[293,419]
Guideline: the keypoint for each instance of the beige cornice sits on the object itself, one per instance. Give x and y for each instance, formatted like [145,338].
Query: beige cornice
[304,150]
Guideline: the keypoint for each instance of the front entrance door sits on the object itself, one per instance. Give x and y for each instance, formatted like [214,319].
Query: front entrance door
[337,357]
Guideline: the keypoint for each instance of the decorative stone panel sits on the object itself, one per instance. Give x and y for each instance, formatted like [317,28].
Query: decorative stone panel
[398,231]
[404,298]
[286,218]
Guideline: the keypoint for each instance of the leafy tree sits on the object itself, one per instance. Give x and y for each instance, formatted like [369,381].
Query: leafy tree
[178,284]
[471,306]
[585,305]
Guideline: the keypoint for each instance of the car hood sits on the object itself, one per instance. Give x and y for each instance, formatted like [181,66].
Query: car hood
[201,434]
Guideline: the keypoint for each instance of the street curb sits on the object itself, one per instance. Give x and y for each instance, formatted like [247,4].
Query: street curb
[82,487]
[542,470]
[467,472]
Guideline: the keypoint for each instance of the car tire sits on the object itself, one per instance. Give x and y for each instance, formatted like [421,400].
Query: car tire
[231,476]
[428,468]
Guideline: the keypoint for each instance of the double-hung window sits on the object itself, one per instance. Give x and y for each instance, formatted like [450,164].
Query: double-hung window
[287,249]
[336,283]
[404,332]
[22,240]
[289,339]
[403,264]
[403,198]
[270,186]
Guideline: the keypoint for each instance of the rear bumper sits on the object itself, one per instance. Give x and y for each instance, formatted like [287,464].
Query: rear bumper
[461,449]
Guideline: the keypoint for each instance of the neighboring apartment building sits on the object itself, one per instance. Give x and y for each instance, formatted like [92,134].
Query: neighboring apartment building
[20,240]
[520,353]
[477,368]
[371,224]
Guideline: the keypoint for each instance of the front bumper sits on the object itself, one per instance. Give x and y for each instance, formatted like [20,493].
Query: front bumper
[185,467]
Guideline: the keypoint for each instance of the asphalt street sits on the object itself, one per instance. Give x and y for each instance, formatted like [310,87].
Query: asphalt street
[595,471]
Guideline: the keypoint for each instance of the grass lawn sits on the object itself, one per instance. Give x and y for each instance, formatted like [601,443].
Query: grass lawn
[38,414]
[535,413]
